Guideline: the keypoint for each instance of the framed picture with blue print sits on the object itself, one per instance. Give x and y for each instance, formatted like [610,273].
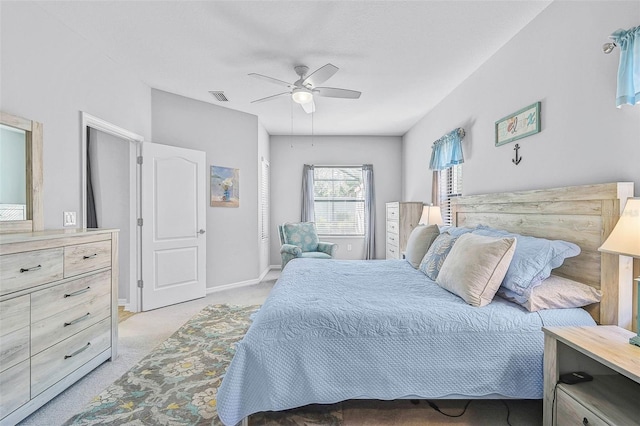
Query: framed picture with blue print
[520,124]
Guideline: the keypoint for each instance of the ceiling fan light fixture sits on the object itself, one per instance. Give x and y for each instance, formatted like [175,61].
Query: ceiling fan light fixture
[301,95]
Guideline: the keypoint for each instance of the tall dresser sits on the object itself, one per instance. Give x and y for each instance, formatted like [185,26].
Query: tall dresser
[401,219]
[58,313]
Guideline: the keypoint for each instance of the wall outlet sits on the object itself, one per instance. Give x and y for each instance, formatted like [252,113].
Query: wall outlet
[69,219]
[348,247]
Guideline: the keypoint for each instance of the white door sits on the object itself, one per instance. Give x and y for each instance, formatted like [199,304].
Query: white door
[173,212]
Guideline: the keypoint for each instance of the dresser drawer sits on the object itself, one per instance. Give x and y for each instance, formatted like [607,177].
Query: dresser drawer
[51,301]
[59,361]
[392,226]
[393,211]
[24,270]
[49,331]
[14,388]
[392,239]
[392,252]
[571,412]
[86,257]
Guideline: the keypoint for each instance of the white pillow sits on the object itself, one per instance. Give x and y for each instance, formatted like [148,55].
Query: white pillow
[419,242]
[556,293]
[476,266]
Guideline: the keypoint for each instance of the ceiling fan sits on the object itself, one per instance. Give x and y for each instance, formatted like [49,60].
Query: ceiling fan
[306,87]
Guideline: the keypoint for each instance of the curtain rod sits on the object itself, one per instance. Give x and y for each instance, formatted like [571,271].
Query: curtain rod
[336,167]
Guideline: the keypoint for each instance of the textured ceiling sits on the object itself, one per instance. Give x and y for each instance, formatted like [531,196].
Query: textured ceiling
[404,57]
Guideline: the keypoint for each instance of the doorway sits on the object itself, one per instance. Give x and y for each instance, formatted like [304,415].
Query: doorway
[159,208]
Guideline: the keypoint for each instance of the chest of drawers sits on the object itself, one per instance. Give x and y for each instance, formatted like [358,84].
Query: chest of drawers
[58,313]
[402,217]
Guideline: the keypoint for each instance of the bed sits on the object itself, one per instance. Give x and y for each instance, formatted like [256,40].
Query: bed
[337,330]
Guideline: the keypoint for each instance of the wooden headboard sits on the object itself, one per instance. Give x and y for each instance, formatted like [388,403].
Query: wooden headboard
[584,215]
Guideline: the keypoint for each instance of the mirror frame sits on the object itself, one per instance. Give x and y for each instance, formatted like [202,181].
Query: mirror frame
[35,216]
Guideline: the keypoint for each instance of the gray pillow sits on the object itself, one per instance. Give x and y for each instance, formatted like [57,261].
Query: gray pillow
[476,266]
[555,293]
[419,242]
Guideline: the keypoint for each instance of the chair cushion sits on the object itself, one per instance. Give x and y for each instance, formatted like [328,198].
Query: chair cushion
[303,235]
[315,255]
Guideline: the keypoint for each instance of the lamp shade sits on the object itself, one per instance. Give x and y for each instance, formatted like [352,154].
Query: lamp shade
[302,95]
[625,237]
[431,215]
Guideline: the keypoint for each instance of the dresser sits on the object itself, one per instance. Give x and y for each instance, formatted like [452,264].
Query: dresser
[402,217]
[58,313]
[603,352]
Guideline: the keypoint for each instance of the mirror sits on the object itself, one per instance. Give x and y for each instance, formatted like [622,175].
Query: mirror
[20,174]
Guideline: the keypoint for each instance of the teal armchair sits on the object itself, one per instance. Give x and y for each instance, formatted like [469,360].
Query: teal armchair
[301,240]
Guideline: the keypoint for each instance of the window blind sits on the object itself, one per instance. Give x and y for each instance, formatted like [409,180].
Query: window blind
[450,187]
[338,200]
[264,202]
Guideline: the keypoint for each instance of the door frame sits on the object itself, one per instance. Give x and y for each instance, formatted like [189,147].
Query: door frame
[135,146]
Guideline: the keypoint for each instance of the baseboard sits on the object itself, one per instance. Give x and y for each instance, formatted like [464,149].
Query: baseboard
[242,283]
[232,285]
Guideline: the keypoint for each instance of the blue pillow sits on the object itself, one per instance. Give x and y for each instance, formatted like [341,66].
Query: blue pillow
[437,253]
[533,260]
[455,230]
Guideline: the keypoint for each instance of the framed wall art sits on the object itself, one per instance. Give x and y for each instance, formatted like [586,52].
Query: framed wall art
[225,187]
[520,124]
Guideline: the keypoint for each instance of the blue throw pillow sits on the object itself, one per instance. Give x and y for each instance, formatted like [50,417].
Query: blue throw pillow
[456,231]
[533,260]
[437,253]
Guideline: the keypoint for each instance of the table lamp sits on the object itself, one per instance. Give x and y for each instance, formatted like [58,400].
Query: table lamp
[624,240]
[431,215]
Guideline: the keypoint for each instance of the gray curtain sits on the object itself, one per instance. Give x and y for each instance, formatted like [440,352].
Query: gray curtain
[435,188]
[92,219]
[369,212]
[307,212]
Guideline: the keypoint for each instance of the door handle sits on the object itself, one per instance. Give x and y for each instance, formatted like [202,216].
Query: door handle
[202,231]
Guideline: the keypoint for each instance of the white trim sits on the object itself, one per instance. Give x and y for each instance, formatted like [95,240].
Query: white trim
[232,285]
[88,120]
[264,274]
[275,267]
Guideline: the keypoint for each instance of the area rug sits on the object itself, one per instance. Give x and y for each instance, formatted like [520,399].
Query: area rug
[177,383]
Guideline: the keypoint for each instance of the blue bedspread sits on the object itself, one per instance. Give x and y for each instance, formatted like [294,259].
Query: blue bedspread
[334,330]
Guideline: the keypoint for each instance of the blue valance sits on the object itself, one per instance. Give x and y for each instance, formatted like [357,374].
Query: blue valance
[447,151]
[628,91]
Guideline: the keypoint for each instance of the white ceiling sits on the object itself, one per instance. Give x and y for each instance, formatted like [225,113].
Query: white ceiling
[404,56]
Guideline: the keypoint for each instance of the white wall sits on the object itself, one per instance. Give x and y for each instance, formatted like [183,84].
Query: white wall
[558,60]
[230,139]
[111,189]
[49,74]
[290,153]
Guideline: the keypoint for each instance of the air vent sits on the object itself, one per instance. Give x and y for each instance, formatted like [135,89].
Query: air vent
[219,95]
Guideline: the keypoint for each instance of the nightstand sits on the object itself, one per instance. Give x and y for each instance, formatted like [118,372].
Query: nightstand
[604,352]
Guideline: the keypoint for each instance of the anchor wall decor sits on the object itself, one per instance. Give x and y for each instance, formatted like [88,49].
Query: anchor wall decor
[517,159]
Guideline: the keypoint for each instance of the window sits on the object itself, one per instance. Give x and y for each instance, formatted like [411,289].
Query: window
[450,187]
[264,202]
[338,194]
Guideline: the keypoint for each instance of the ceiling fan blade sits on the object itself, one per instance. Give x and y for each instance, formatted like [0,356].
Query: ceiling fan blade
[271,80]
[309,107]
[268,98]
[320,75]
[332,92]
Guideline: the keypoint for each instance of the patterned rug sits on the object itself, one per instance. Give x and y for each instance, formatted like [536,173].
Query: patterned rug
[177,383]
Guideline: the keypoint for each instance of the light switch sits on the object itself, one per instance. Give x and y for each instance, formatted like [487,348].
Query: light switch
[69,219]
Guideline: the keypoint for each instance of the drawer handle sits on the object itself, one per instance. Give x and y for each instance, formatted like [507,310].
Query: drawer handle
[585,421]
[77,320]
[91,256]
[75,293]
[33,268]
[82,349]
